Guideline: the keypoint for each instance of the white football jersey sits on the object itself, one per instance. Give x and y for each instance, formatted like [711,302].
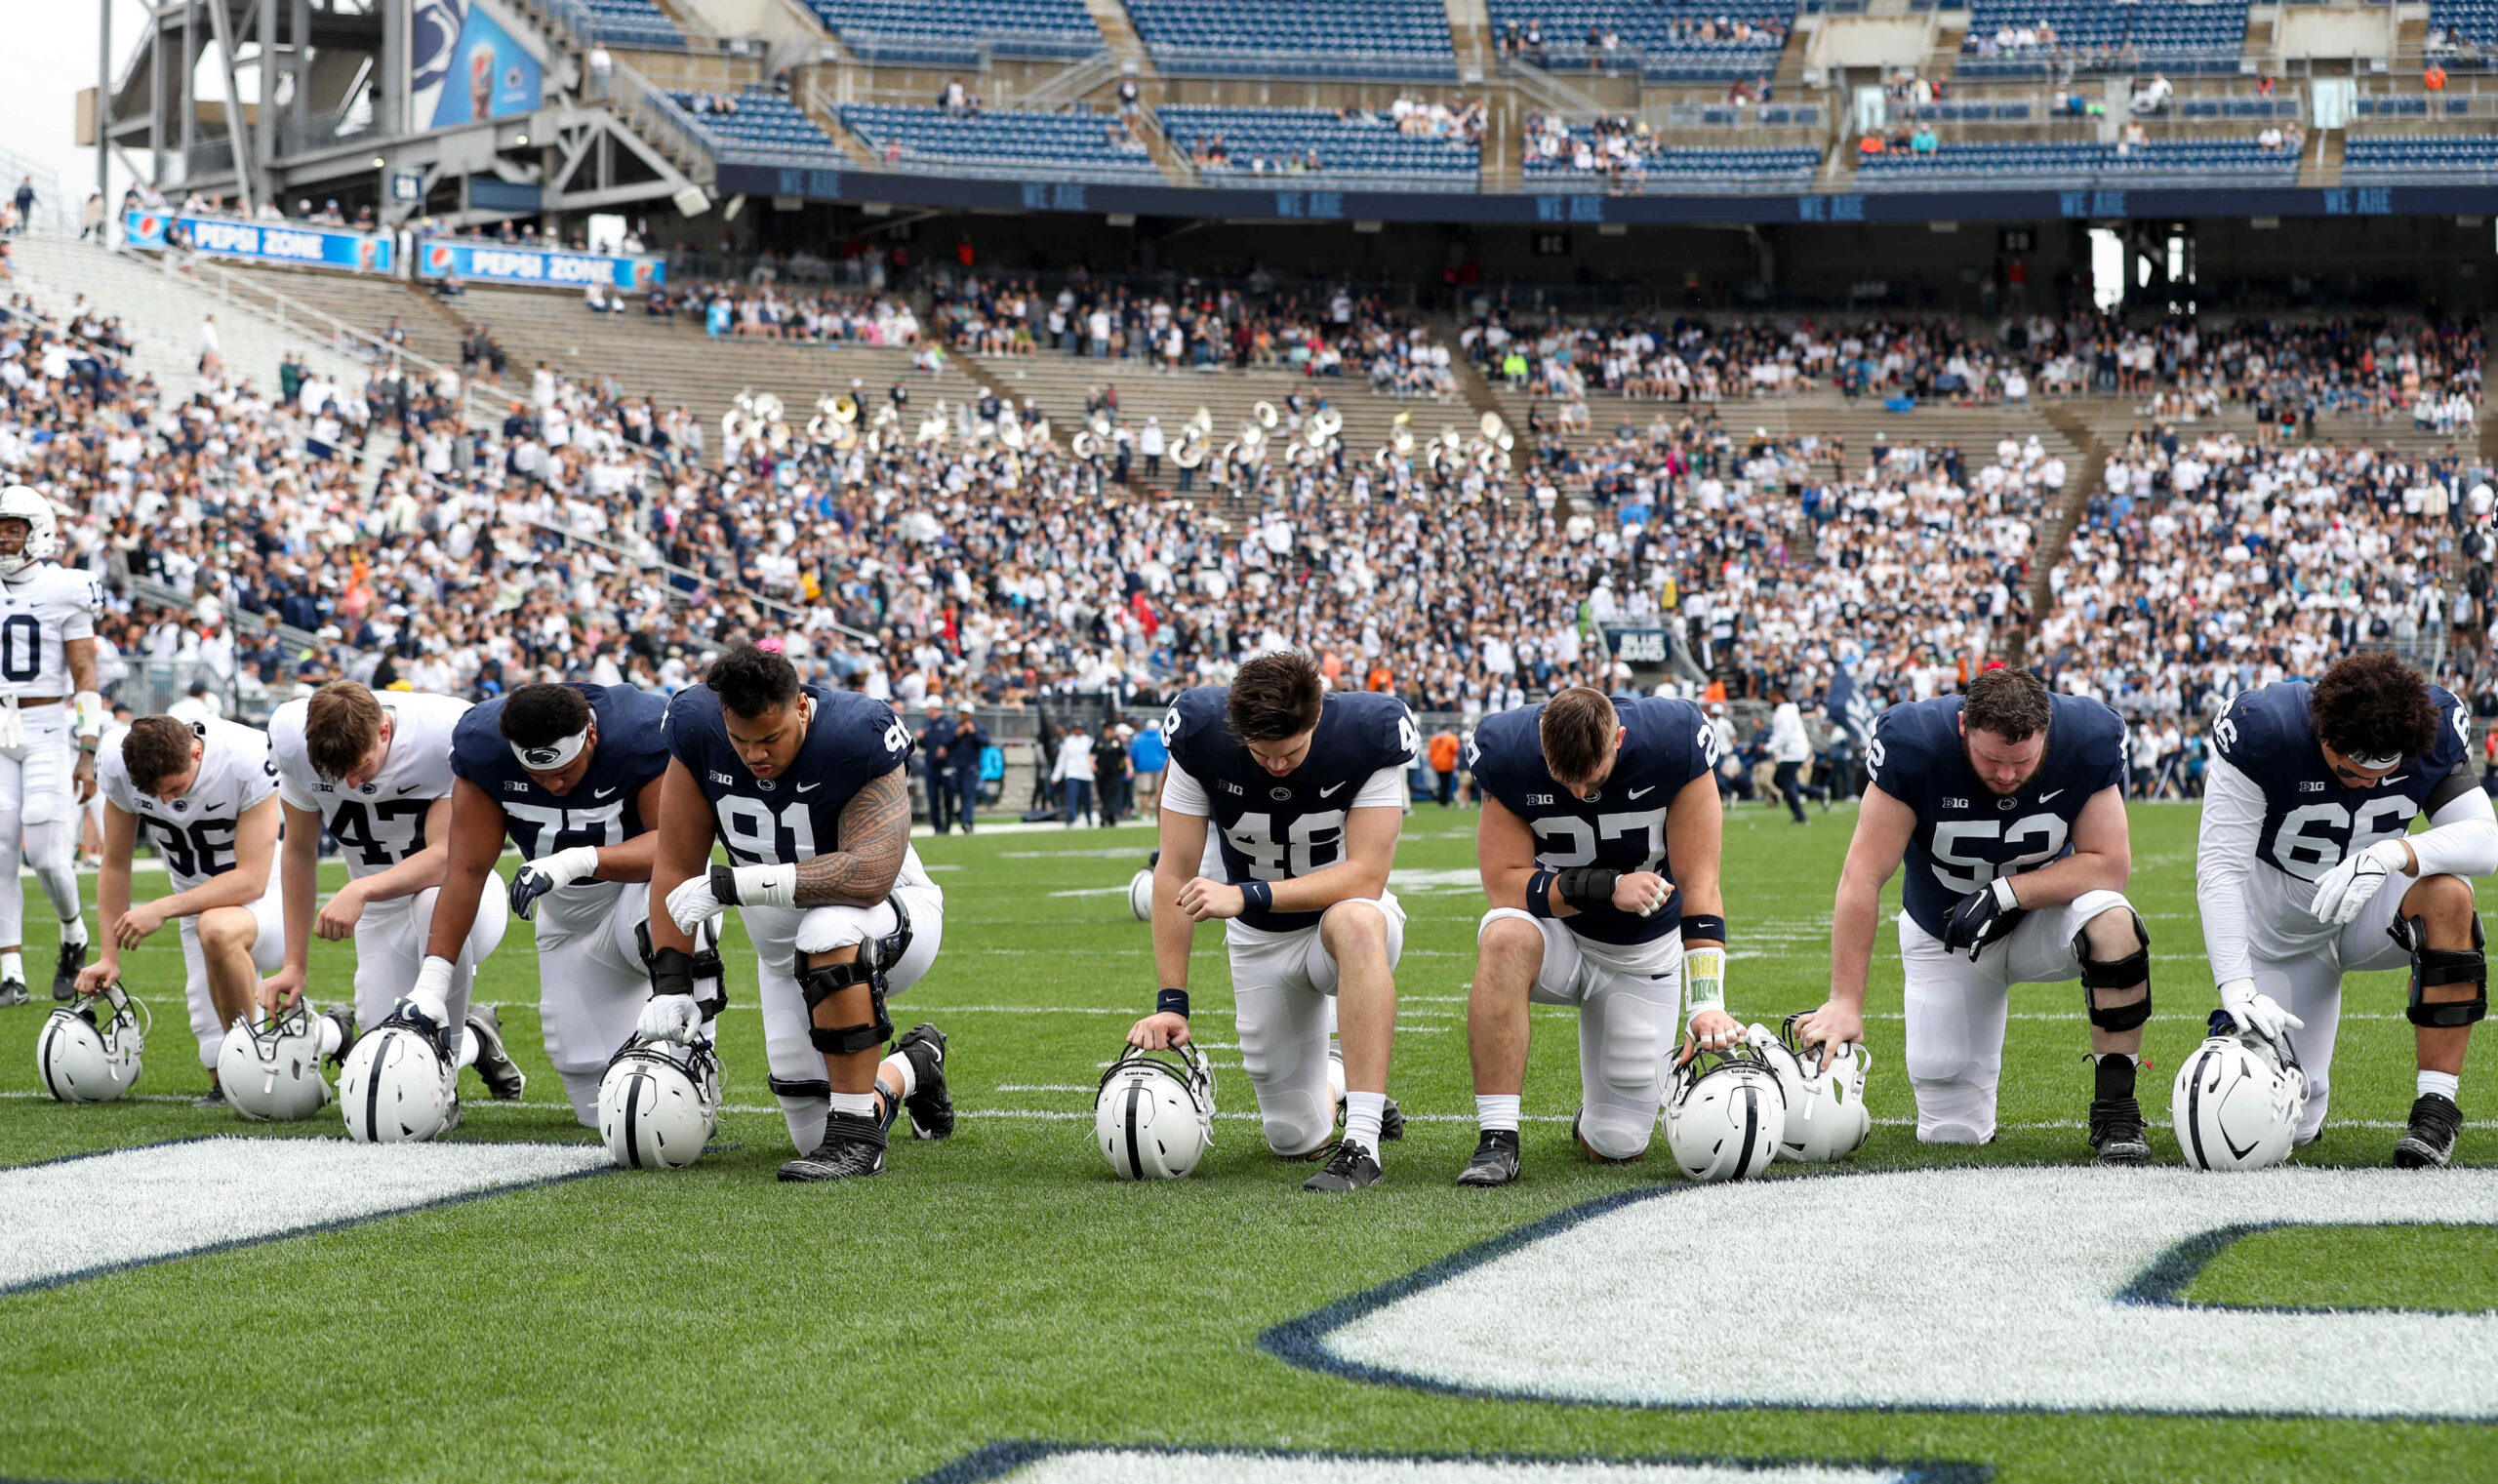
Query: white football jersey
[41,609]
[195,833]
[381,823]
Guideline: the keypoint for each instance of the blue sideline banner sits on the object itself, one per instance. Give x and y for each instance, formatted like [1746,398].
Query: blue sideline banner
[300,244]
[537,267]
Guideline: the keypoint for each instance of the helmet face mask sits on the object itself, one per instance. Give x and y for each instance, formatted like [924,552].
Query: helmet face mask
[1153,1113]
[659,1105]
[23,505]
[1724,1114]
[90,1049]
[271,1072]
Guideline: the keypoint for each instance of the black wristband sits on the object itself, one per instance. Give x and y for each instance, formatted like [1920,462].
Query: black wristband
[1588,888]
[1257,896]
[1539,892]
[1708,926]
[671,972]
[724,885]
[1171,1002]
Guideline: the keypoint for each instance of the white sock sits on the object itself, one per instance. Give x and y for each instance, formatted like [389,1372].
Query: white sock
[1362,1114]
[1496,1112]
[13,966]
[2444,1084]
[73,931]
[332,1035]
[904,1073]
[857,1104]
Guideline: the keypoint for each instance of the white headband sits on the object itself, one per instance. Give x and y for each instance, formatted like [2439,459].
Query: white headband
[555,754]
[2374,764]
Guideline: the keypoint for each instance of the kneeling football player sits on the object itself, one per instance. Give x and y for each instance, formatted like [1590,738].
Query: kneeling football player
[1598,846]
[2008,803]
[2307,870]
[571,774]
[809,791]
[374,770]
[1279,813]
[208,796]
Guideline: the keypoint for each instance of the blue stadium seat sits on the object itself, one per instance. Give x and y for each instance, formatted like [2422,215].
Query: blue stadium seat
[1068,144]
[2072,164]
[764,123]
[1343,147]
[953,32]
[1766,169]
[2183,36]
[1659,36]
[633,23]
[2404,157]
[1309,38]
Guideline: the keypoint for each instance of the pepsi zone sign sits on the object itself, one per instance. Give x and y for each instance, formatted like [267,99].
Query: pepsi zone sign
[324,247]
[537,267]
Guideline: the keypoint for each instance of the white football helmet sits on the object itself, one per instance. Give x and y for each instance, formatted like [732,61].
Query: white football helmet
[396,1087]
[2237,1100]
[19,502]
[1153,1118]
[659,1105]
[89,1049]
[1725,1115]
[271,1072]
[1827,1118]
[1140,895]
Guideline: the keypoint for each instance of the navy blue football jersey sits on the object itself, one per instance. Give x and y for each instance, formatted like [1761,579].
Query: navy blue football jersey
[603,807]
[852,741]
[2311,822]
[1967,837]
[1271,829]
[1666,745]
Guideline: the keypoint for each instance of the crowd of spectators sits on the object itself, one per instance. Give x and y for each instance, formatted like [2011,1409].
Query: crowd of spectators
[1615,146]
[1527,38]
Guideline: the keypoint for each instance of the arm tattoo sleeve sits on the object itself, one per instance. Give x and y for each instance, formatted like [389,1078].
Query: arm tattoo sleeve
[875,831]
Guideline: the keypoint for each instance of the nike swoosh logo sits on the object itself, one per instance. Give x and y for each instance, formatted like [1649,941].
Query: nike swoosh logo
[803,787]
[2049,794]
[1323,792]
[2397,779]
[411,788]
[1635,792]
[601,793]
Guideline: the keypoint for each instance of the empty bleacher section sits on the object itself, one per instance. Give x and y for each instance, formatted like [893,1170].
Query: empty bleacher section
[2063,165]
[759,124]
[1299,38]
[622,23]
[957,33]
[2461,158]
[1667,42]
[1053,145]
[2021,38]
[1226,142]
[2463,34]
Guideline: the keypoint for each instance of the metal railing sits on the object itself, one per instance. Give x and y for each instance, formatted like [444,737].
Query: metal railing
[647,107]
[52,211]
[326,130]
[975,51]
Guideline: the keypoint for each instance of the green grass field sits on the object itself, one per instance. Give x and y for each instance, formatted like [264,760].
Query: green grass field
[1002,1286]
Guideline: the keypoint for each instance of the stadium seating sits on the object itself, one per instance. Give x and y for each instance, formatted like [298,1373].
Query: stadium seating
[952,33]
[1307,38]
[1343,147]
[1657,37]
[2176,36]
[2040,164]
[764,123]
[2409,108]
[1788,169]
[2410,156]
[2474,22]
[1048,144]
[633,23]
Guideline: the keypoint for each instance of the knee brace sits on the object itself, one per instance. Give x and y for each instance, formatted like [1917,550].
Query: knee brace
[702,967]
[2120,974]
[2432,967]
[820,984]
[799,1087]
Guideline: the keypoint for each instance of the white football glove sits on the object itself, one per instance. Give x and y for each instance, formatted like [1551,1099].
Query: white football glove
[693,903]
[432,991]
[2255,1012]
[673,1018]
[2346,889]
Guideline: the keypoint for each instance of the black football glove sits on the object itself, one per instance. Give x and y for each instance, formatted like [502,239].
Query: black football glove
[1983,918]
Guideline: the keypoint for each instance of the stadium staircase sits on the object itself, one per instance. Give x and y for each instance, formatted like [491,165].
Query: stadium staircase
[2049,546]
[1118,33]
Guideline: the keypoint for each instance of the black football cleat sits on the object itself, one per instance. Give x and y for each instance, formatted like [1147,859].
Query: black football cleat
[1495,1161]
[2117,1131]
[1391,1121]
[215,1096]
[13,991]
[852,1147]
[65,970]
[1351,1168]
[504,1080]
[931,1109]
[343,1016]
[2430,1141]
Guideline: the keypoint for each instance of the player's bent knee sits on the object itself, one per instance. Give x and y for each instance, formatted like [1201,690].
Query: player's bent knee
[1295,1124]
[1354,929]
[827,930]
[2449,986]
[1615,1138]
[226,929]
[2443,900]
[2114,951]
[1633,1058]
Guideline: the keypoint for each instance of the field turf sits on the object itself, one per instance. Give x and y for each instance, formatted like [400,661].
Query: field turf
[1002,1286]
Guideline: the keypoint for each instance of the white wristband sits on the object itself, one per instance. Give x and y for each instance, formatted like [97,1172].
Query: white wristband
[2005,896]
[767,886]
[1704,976]
[87,707]
[566,867]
